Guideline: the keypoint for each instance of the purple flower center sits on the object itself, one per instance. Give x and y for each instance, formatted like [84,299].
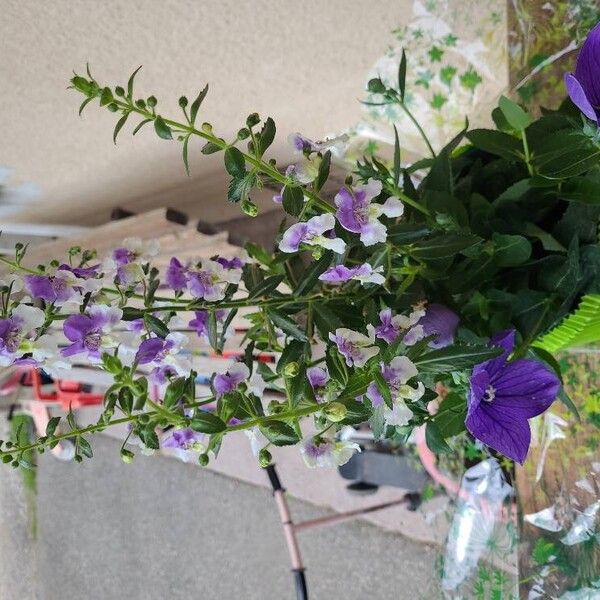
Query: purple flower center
[93,340]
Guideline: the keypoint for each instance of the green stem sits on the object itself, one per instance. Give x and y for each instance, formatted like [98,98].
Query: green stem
[419,128]
[527,153]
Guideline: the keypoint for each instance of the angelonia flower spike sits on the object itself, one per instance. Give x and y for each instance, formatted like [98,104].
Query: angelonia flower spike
[399,297]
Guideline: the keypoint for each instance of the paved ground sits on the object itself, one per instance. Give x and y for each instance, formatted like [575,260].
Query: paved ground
[162,529]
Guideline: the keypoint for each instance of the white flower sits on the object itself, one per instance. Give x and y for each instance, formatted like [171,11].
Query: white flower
[326,452]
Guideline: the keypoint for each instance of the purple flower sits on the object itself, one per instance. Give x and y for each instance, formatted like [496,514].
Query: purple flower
[318,378]
[166,356]
[176,275]
[51,288]
[232,263]
[209,281]
[227,382]
[311,233]
[504,395]
[358,214]
[149,350]
[355,347]
[134,250]
[440,321]
[88,333]
[391,327]
[583,87]
[327,452]
[200,323]
[363,273]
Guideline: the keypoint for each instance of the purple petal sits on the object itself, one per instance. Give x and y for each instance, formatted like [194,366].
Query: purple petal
[439,320]
[176,275]
[293,237]
[374,395]
[587,70]
[75,348]
[76,327]
[350,211]
[500,431]
[338,274]
[317,376]
[579,97]
[149,349]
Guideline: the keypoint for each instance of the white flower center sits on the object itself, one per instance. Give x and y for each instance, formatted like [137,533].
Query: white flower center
[490,393]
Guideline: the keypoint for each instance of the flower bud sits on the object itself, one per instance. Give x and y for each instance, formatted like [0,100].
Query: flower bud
[264,458]
[203,459]
[183,102]
[81,84]
[140,104]
[291,369]
[127,456]
[252,120]
[152,101]
[113,107]
[335,412]
[375,86]
[243,133]
[119,91]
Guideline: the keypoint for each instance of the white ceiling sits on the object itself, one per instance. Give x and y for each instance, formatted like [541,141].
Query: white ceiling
[304,63]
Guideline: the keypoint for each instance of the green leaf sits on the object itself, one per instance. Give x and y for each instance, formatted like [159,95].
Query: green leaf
[514,114]
[293,200]
[397,162]
[185,154]
[240,188]
[325,319]
[235,162]
[455,358]
[206,422]
[356,386]
[119,126]
[85,103]
[581,189]
[130,83]
[402,75]
[106,97]
[451,415]
[156,326]
[162,129]
[279,433]
[149,438]
[211,327]
[287,325]
[510,250]
[446,245]
[265,287]
[434,439]
[85,447]
[543,551]
[323,173]
[140,125]
[336,365]
[405,233]
[266,135]
[356,412]
[196,104]
[496,142]
[52,425]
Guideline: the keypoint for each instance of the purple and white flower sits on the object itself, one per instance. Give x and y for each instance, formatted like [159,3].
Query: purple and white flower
[210,280]
[165,355]
[54,288]
[200,321]
[327,452]
[355,347]
[176,275]
[15,330]
[125,263]
[363,273]
[311,233]
[229,381]
[358,214]
[391,327]
[400,370]
[505,395]
[583,86]
[90,333]
[185,443]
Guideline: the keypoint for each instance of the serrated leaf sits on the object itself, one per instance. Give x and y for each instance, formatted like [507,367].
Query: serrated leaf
[235,164]
[52,425]
[279,433]
[149,438]
[196,103]
[287,325]
[119,126]
[106,97]
[266,135]
[206,422]
[293,200]
[162,129]
[210,148]
[85,447]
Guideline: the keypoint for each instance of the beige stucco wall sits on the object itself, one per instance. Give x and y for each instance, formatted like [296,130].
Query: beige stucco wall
[304,63]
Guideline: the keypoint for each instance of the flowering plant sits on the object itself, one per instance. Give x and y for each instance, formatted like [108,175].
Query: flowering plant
[415,297]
